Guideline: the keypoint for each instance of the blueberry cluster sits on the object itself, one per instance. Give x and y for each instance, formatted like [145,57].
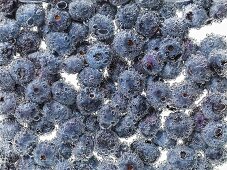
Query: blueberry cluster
[125,110]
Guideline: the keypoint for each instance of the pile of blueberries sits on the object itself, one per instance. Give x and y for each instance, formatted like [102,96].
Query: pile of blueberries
[127,109]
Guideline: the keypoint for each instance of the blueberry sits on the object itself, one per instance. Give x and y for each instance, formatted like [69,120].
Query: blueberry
[9,128]
[214,106]
[71,130]
[182,157]
[168,10]
[89,100]
[81,10]
[45,154]
[64,93]
[26,112]
[59,43]
[216,155]
[178,125]
[8,7]
[217,61]
[56,112]
[24,142]
[99,56]
[150,4]
[106,165]
[158,94]
[6,81]
[9,30]
[38,91]
[130,161]
[130,83]
[172,69]
[211,42]
[119,101]
[122,148]
[195,16]
[184,94]
[146,150]
[206,4]
[63,165]
[28,42]
[119,2]
[126,126]
[218,10]
[84,147]
[101,27]
[78,33]
[30,15]
[215,134]
[22,71]
[58,20]
[127,15]
[7,52]
[8,102]
[106,142]
[150,125]
[197,69]
[128,44]
[217,84]
[162,140]
[65,150]
[25,163]
[41,126]
[73,64]
[108,116]
[91,123]
[107,9]
[147,24]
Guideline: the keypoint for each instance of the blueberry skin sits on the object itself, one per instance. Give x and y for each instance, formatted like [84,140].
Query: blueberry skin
[9,30]
[64,93]
[89,100]
[8,103]
[146,150]
[8,7]
[182,157]
[168,10]
[217,60]
[119,101]
[184,94]
[217,85]
[78,33]
[45,154]
[127,15]
[118,2]
[56,112]
[108,116]
[162,140]
[6,81]
[215,134]
[7,51]
[58,20]
[214,106]
[9,128]
[38,91]
[64,150]
[101,27]
[63,165]
[195,16]
[99,56]
[25,163]
[71,130]
[26,112]
[28,42]
[147,24]
[150,4]
[178,125]
[197,69]
[24,142]
[206,4]
[59,43]
[159,94]
[126,126]
[150,125]
[172,69]
[216,155]
[211,42]
[130,83]
[22,71]
[81,10]
[73,64]
[84,147]
[30,15]
[91,124]
[174,27]
[128,44]
[41,126]
[218,11]
[106,142]
[107,9]
[130,161]
[106,165]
